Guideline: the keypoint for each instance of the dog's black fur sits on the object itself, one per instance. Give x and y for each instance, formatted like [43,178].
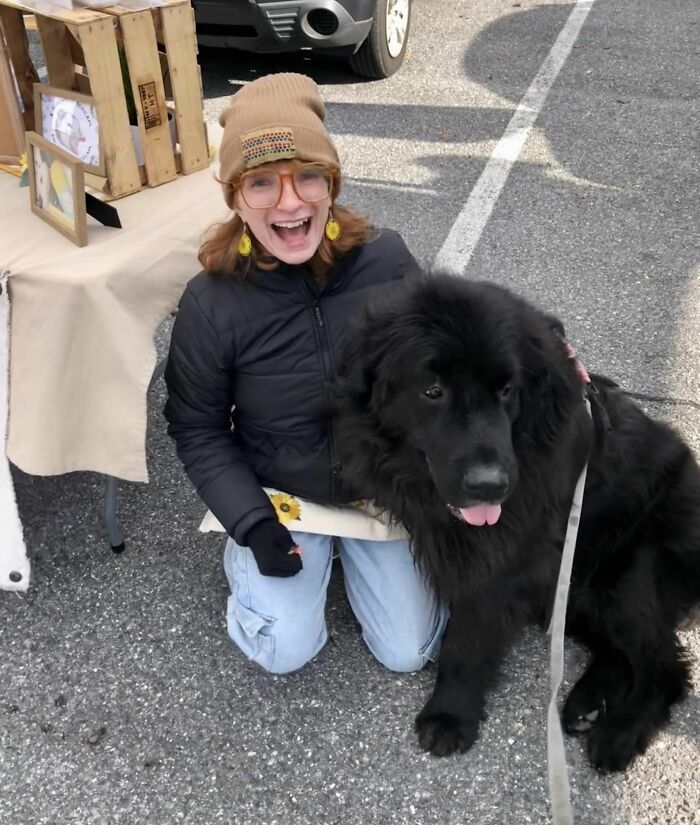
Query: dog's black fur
[454,393]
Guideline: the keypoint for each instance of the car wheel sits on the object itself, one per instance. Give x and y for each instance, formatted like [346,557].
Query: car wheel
[383,51]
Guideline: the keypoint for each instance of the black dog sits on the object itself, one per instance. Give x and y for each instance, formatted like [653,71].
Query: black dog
[462,412]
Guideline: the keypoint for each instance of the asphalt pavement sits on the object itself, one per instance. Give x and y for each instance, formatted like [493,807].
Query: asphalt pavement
[122,701]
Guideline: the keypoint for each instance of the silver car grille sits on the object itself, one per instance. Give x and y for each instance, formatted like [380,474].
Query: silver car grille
[282,17]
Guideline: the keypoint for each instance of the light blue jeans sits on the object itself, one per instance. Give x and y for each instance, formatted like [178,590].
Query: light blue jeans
[280,622]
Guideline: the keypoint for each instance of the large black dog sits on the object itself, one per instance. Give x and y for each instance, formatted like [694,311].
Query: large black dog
[462,412]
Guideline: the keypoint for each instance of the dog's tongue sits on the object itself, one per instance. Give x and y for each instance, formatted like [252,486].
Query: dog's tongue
[481,514]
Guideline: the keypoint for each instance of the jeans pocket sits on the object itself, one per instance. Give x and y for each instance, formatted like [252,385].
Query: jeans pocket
[252,623]
[251,631]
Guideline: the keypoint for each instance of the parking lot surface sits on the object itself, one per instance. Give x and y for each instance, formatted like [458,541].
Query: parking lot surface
[122,701]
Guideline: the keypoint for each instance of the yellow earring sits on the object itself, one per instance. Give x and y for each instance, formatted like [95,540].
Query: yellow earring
[333,230]
[245,245]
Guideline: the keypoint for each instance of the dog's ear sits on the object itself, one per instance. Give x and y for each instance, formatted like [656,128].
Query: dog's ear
[358,392]
[355,375]
[366,352]
[549,386]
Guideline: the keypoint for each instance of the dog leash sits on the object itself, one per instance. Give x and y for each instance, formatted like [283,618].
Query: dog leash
[559,791]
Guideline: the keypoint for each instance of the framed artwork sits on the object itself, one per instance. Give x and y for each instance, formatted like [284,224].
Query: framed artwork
[68,119]
[57,188]
[11,122]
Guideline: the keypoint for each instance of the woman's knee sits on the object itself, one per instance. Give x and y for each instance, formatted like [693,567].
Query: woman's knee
[295,646]
[412,646]
[399,661]
[278,623]
[278,644]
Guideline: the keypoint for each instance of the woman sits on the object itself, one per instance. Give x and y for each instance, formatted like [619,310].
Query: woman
[253,346]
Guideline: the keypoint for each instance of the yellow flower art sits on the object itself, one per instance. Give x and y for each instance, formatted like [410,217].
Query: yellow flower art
[286,507]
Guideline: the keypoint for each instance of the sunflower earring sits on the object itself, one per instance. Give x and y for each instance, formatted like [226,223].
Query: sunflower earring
[332,228]
[245,245]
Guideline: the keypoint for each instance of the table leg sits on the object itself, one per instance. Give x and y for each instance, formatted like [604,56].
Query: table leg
[109,515]
[109,508]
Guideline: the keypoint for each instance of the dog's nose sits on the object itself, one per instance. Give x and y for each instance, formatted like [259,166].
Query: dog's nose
[486,482]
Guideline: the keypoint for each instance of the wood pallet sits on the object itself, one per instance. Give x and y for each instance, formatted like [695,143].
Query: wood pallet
[11,121]
[172,26]
[82,54]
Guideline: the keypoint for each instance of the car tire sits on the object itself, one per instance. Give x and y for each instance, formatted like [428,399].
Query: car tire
[384,50]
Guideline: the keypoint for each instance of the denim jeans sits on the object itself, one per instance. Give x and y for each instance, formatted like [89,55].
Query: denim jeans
[280,622]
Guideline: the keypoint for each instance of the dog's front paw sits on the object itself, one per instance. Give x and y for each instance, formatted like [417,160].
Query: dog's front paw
[580,712]
[444,733]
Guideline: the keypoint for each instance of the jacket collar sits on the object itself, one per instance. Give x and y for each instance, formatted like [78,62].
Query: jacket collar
[290,278]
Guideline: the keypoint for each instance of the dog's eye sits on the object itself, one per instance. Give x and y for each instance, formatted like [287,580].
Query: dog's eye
[505,392]
[433,393]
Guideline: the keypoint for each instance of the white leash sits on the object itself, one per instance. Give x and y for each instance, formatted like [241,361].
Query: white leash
[559,792]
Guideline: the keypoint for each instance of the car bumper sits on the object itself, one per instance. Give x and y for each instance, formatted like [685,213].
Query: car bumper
[285,26]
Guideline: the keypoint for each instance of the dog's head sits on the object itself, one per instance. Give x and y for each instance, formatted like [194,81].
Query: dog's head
[456,374]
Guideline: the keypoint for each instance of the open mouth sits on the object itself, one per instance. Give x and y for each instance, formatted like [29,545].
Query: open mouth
[478,514]
[292,231]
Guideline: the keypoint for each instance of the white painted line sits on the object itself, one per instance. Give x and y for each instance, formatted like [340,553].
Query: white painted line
[466,231]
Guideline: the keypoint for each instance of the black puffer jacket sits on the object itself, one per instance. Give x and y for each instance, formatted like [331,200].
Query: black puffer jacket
[257,353]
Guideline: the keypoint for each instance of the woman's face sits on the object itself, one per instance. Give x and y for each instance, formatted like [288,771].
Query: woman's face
[292,230]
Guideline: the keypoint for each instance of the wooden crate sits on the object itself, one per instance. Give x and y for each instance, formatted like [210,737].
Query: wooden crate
[170,26]
[11,121]
[82,53]
[75,43]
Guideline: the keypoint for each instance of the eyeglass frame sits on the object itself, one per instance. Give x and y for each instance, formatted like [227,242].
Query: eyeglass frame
[332,171]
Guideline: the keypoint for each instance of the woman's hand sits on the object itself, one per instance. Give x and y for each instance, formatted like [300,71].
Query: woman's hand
[274,549]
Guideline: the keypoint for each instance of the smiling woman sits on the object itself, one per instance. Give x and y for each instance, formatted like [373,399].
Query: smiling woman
[254,345]
[281,183]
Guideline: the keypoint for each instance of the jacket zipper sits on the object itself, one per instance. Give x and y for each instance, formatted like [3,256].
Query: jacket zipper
[327,370]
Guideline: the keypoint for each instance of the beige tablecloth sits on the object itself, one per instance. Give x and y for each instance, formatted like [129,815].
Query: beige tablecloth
[83,321]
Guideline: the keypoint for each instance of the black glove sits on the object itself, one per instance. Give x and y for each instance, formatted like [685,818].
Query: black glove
[271,544]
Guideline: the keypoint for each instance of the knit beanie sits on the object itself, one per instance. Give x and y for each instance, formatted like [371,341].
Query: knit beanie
[276,117]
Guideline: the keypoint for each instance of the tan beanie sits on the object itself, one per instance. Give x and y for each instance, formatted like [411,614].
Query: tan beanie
[277,117]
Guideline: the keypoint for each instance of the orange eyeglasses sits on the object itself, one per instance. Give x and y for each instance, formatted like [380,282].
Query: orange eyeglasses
[312,183]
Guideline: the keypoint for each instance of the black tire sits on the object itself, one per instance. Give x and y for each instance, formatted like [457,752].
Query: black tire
[373,58]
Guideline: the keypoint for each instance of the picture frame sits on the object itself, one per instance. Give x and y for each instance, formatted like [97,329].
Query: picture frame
[57,188]
[11,121]
[69,120]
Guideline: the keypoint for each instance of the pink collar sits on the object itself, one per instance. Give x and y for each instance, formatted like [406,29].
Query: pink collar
[581,371]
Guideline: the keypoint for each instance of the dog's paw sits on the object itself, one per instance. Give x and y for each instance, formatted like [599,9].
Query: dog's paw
[602,690]
[613,747]
[580,712]
[444,733]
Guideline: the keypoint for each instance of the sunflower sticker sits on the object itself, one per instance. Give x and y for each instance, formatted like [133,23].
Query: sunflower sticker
[286,506]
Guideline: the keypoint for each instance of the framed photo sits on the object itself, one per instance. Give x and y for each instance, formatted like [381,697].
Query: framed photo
[57,188]
[69,120]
